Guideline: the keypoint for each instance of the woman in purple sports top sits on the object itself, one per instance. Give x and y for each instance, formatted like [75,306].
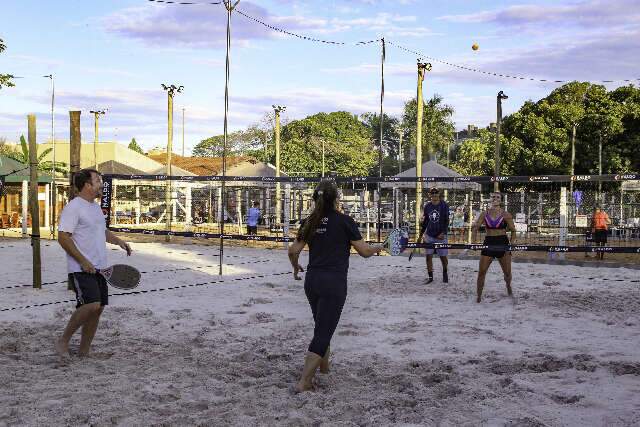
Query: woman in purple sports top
[496,221]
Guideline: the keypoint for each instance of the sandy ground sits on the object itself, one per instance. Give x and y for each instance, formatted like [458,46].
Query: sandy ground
[226,351]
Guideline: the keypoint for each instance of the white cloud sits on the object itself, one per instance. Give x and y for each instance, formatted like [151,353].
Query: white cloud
[205,27]
[599,13]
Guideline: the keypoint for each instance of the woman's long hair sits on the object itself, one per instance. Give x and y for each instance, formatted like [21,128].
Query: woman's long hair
[324,196]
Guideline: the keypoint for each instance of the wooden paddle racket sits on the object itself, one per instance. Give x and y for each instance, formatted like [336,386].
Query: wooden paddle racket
[396,242]
[121,276]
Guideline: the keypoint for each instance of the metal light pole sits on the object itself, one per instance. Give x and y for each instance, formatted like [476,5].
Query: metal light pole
[422,69]
[183,132]
[400,151]
[53,165]
[322,157]
[278,109]
[229,7]
[496,170]
[96,114]
[171,91]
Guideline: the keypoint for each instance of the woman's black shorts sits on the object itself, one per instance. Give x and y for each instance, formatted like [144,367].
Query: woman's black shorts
[495,240]
[600,236]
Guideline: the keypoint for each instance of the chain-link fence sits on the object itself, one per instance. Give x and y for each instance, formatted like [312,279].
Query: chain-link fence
[545,213]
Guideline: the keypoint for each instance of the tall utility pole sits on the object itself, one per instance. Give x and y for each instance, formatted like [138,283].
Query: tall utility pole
[33,202]
[96,114]
[322,157]
[378,227]
[278,109]
[53,165]
[183,132]
[600,168]
[171,91]
[400,150]
[422,69]
[496,170]
[573,156]
[75,145]
[229,7]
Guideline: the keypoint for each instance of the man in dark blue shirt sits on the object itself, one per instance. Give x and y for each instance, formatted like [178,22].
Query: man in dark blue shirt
[435,225]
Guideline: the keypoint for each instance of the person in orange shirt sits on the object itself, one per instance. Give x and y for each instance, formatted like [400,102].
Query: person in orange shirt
[600,228]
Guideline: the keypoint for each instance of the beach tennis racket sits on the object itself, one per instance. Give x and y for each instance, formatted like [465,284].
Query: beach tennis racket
[121,276]
[396,242]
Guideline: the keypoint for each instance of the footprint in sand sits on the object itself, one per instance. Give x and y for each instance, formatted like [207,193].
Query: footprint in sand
[403,341]
[253,301]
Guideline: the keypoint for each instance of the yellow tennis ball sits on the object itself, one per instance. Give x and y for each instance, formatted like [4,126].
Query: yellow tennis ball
[475,46]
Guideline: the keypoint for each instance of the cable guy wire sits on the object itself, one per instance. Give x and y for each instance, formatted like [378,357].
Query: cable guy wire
[495,74]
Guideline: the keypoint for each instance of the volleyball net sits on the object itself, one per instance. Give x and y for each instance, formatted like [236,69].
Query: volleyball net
[551,213]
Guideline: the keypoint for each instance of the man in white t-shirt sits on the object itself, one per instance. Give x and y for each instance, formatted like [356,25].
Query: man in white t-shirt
[83,234]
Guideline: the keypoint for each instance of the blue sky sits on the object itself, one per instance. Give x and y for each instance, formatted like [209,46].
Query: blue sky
[115,54]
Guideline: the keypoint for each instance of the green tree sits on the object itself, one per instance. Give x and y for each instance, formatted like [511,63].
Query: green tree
[22,156]
[133,145]
[390,141]
[475,156]
[347,145]
[5,79]
[601,123]
[546,130]
[624,146]
[252,141]
[437,125]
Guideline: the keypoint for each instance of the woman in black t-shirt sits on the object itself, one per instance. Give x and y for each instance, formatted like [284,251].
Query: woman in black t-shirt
[330,235]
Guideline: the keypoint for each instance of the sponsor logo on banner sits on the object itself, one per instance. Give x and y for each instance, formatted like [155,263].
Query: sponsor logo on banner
[538,178]
[581,178]
[519,248]
[360,179]
[268,179]
[477,247]
[626,176]
[200,235]
[254,238]
[603,249]
[499,178]
[558,249]
[462,178]
[148,232]
[282,239]
[442,245]
[391,178]
[159,177]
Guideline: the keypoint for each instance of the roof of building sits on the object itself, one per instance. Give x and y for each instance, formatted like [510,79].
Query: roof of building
[112,167]
[433,169]
[202,166]
[14,171]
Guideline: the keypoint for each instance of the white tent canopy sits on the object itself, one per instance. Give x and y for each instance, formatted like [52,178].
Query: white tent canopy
[432,169]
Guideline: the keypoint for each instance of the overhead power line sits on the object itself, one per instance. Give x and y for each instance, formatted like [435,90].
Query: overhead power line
[308,38]
[185,2]
[397,45]
[496,74]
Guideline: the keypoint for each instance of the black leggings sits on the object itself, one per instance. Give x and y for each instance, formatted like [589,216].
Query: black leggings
[326,292]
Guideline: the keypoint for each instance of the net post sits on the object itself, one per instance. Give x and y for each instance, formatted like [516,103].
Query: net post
[239,210]
[287,213]
[562,238]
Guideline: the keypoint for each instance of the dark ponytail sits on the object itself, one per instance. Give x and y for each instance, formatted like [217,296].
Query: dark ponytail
[324,197]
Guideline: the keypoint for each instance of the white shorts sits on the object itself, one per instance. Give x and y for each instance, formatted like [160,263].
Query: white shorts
[441,252]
